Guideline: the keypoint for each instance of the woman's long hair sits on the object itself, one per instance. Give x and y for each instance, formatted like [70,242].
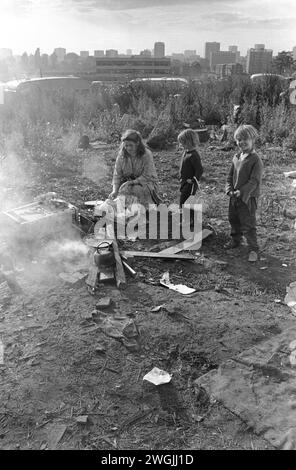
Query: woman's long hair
[133,136]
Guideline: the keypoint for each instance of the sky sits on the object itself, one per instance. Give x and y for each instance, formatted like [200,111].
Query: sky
[136,24]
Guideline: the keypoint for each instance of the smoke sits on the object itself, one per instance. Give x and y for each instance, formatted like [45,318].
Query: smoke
[71,251]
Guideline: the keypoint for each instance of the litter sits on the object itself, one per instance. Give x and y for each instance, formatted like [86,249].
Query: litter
[100,348]
[263,267]
[104,302]
[290,298]
[119,329]
[158,376]
[181,288]
[86,315]
[292,345]
[156,309]
[82,419]
[285,265]
[292,358]
[290,174]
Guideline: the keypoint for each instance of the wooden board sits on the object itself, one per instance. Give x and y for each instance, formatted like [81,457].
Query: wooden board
[192,244]
[119,271]
[148,254]
[92,276]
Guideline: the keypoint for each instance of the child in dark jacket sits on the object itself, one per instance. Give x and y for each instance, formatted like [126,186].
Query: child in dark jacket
[191,168]
[243,188]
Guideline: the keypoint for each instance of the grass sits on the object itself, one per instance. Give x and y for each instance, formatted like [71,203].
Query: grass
[44,130]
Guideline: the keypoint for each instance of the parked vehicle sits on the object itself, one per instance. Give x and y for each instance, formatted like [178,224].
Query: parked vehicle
[45,85]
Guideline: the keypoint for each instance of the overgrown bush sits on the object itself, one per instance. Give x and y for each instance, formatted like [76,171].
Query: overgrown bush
[48,126]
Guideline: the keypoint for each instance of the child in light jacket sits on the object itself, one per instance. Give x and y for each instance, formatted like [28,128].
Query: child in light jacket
[243,188]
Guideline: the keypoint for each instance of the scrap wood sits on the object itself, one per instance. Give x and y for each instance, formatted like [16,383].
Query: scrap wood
[191,244]
[56,433]
[119,271]
[92,276]
[148,254]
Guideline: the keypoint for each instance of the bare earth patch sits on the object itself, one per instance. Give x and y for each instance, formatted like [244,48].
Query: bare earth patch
[59,366]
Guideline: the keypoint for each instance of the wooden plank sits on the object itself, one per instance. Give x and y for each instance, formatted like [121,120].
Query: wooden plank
[92,276]
[192,244]
[119,271]
[149,254]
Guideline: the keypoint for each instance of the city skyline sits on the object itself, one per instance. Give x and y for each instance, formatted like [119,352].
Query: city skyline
[124,24]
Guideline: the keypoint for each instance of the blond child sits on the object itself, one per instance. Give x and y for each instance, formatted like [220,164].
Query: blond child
[243,188]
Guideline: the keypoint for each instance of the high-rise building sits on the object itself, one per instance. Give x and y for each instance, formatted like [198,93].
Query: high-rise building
[178,56]
[235,50]
[294,53]
[259,60]
[146,53]
[60,52]
[221,57]
[5,53]
[189,52]
[226,70]
[99,53]
[159,50]
[84,54]
[211,47]
[111,53]
[129,52]
[259,47]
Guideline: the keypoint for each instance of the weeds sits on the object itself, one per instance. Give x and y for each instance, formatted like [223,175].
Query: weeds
[46,128]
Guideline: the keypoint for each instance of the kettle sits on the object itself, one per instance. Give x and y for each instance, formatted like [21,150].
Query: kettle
[104,256]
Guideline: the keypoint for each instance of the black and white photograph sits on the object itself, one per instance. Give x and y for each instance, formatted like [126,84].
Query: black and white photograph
[148,228]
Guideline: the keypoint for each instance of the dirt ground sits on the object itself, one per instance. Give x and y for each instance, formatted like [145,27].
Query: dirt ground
[58,365]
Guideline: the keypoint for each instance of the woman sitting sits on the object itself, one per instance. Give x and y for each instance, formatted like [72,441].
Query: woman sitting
[134,174]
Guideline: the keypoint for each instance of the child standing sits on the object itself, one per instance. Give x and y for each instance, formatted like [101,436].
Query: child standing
[191,168]
[243,188]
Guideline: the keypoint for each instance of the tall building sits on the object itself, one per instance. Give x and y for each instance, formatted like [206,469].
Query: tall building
[259,47]
[84,54]
[178,56]
[129,52]
[226,70]
[99,53]
[221,57]
[159,50]
[259,60]
[294,53]
[211,47]
[60,52]
[235,50]
[111,53]
[189,52]
[146,53]
[5,53]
